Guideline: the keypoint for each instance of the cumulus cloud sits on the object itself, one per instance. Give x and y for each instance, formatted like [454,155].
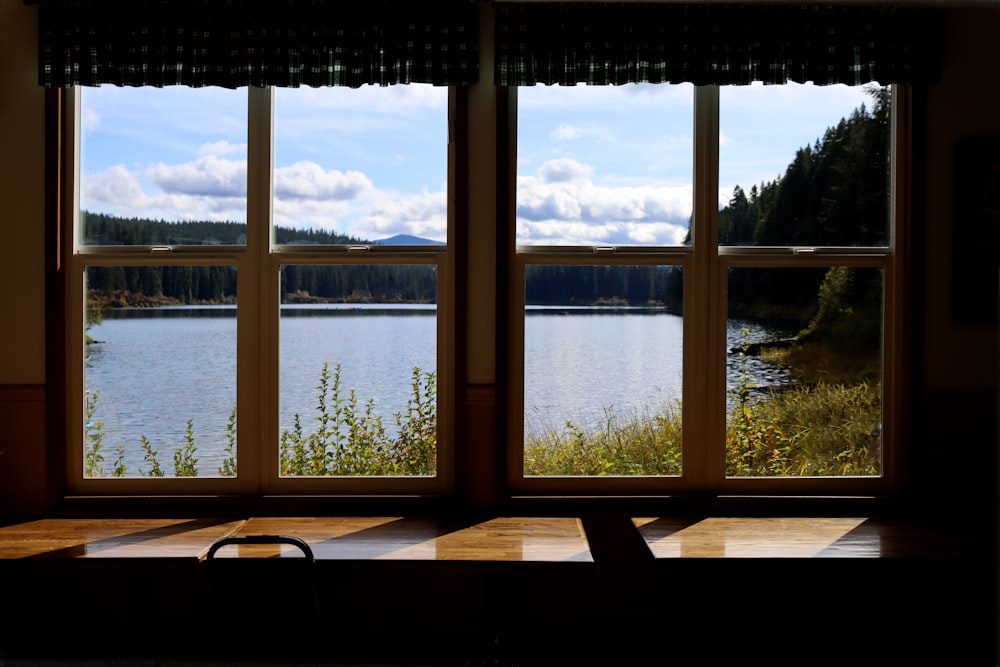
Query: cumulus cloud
[424,215]
[106,190]
[560,205]
[564,170]
[208,175]
[306,196]
[122,192]
[563,206]
[308,180]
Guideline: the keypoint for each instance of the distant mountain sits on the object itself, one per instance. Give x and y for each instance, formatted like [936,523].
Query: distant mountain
[406,239]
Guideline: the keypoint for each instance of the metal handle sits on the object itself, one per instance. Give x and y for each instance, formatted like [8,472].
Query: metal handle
[260,539]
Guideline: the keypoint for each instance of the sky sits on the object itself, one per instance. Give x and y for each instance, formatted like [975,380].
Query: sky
[596,165]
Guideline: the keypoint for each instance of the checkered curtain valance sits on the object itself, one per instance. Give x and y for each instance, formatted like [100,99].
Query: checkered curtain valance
[235,43]
[713,43]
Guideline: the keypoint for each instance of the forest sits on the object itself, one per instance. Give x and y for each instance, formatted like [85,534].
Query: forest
[833,193]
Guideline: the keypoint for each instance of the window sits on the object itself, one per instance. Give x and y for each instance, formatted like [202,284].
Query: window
[724,325]
[254,323]
[670,244]
[698,279]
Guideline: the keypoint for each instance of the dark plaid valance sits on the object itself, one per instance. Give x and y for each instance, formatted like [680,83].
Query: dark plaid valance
[235,43]
[713,43]
[289,43]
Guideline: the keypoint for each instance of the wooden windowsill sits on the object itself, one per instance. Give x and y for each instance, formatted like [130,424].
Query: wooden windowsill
[499,540]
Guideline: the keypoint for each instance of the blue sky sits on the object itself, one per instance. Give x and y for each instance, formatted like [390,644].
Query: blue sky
[595,164]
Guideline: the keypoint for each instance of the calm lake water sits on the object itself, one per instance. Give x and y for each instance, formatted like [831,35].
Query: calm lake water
[156,368]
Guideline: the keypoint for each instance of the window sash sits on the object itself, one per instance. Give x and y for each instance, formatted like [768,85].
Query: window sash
[704,370]
[258,313]
[704,259]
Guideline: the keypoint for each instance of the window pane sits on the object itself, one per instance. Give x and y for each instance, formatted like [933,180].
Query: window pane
[804,165]
[604,165]
[358,367]
[361,165]
[804,375]
[160,373]
[603,357]
[163,166]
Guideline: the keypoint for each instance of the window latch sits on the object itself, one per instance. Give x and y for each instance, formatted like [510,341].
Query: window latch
[160,250]
[804,251]
[358,250]
[604,250]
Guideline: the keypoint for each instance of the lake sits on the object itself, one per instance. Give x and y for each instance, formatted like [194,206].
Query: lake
[156,368]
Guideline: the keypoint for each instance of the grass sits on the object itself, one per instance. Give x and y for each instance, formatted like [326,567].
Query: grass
[827,423]
[347,438]
[630,445]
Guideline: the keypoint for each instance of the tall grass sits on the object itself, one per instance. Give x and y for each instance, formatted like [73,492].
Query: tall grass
[828,423]
[347,438]
[823,429]
[634,444]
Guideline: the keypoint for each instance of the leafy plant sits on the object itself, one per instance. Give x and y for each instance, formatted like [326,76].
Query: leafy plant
[120,467]
[149,455]
[228,468]
[350,439]
[93,436]
[416,447]
[754,446]
[185,462]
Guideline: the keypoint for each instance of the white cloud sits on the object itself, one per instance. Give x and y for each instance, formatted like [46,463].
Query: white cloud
[208,175]
[564,170]
[393,100]
[560,205]
[424,215]
[306,196]
[110,189]
[378,215]
[90,119]
[563,206]
[221,148]
[121,192]
[566,132]
[308,180]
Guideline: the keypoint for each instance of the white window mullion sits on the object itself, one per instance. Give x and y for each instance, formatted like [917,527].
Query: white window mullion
[257,340]
[704,323]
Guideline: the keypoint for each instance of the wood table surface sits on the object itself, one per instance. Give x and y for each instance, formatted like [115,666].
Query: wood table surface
[501,539]
[113,538]
[504,539]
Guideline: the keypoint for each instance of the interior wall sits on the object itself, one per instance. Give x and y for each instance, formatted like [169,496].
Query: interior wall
[964,103]
[958,374]
[22,137]
[954,437]
[22,266]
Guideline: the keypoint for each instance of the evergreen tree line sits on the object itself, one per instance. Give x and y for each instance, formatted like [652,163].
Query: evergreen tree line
[833,193]
[145,285]
[604,285]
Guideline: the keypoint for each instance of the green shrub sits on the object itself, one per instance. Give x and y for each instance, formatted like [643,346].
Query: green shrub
[350,440]
[637,444]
